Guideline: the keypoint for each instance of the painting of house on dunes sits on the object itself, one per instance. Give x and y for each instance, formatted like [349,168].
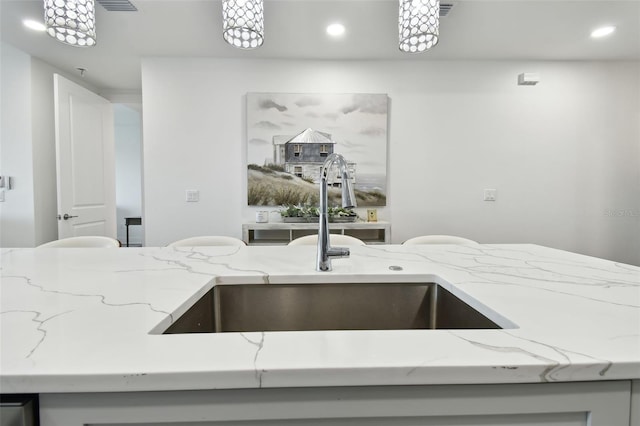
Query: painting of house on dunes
[289,136]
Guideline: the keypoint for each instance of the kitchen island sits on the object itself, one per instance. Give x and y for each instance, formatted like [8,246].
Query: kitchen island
[82,328]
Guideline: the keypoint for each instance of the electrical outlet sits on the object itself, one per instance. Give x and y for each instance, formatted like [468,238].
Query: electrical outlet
[489,194]
[192,195]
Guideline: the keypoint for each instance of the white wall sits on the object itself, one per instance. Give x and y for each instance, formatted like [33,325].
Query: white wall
[564,155]
[17,211]
[128,148]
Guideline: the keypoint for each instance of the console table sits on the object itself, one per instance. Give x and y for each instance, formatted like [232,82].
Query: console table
[280,233]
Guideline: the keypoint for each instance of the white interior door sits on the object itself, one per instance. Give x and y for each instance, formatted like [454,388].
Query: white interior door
[85,161]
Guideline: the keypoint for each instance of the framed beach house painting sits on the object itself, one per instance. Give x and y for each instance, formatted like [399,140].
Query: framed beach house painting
[289,136]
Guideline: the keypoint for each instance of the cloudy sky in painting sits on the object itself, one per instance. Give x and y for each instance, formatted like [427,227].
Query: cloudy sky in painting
[356,122]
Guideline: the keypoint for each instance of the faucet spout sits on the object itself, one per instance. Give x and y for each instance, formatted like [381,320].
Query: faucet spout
[325,251]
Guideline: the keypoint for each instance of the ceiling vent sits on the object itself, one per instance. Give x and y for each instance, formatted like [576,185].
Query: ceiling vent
[445,8]
[118,5]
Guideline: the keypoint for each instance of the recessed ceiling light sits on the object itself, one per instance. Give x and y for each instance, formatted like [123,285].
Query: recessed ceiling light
[335,30]
[602,32]
[34,25]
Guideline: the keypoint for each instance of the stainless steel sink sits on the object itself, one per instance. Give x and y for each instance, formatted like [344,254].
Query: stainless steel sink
[348,306]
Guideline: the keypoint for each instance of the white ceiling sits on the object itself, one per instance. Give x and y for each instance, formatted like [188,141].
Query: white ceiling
[295,29]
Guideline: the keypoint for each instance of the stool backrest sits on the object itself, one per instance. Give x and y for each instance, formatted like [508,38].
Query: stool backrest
[83,242]
[335,239]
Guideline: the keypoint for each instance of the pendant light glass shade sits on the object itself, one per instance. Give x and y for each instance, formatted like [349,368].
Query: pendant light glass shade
[418,24]
[71,21]
[243,23]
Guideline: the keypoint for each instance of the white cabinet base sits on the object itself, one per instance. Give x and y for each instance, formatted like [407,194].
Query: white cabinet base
[555,404]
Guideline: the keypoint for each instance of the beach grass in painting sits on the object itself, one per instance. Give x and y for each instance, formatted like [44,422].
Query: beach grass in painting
[274,188]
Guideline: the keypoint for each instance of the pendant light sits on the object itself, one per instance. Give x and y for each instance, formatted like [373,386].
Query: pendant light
[71,21]
[243,23]
[418,25]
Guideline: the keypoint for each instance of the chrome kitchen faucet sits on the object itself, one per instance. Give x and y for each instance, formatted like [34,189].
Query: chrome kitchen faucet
[325,251]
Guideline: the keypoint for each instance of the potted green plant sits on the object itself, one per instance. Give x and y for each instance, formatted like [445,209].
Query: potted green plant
[299,213]
[341,215]
[302,213]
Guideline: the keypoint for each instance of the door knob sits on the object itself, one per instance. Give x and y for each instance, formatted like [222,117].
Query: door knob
[67,217]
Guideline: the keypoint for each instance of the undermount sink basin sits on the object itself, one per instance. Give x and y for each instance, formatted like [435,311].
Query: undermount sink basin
[347,306]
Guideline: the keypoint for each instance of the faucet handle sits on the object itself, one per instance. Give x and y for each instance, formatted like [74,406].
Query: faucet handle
[338,252]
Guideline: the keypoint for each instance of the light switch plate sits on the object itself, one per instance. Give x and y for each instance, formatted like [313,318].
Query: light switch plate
[489,194]
[192,195]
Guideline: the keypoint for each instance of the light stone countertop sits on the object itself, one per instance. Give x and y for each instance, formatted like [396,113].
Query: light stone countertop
[86,320]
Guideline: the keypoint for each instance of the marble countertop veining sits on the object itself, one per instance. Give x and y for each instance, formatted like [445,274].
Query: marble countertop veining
[88,320]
